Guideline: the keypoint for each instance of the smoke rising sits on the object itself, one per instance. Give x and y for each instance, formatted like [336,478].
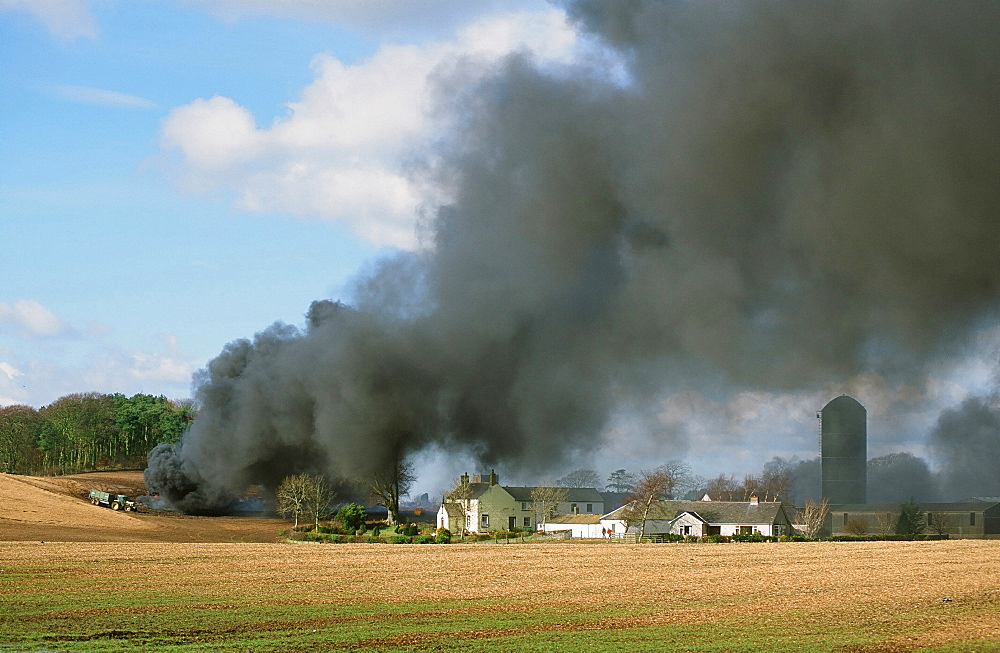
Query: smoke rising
[781,194]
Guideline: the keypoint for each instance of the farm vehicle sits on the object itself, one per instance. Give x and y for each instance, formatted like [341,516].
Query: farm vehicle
[113,501]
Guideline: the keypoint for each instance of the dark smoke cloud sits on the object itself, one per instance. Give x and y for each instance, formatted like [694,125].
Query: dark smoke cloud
[783,194]
[967,441]
[899,477]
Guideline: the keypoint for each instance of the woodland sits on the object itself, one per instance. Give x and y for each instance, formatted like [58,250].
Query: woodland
[88,431]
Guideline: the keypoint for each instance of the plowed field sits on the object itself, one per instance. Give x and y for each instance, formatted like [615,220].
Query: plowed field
[56,509]
[147,582]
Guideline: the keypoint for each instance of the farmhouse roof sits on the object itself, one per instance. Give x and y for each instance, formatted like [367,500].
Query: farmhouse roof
[573,494]
[712,512]
[575,519]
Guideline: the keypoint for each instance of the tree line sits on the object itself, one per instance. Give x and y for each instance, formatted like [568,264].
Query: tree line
[88,431]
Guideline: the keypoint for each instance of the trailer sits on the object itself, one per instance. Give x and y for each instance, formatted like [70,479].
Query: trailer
[113,501]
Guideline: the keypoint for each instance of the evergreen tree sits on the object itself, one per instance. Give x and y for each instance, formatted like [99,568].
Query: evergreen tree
[911,519]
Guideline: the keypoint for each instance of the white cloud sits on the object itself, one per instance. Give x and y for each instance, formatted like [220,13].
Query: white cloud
[341,152]
[65,19]
[9,371]
[32,319]
[102,97]
[37,379]
[160,366]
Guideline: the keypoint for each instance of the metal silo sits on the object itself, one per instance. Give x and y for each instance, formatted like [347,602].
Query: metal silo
[844,451]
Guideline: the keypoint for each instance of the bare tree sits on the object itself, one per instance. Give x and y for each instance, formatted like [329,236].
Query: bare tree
[749,487]
[581,478]
[546,499]
[678,478]
[290,497]
[723,488]
[318,499]
[814,515]
[856,525]
[388,485]
[885,522]
[941,523]
[776,479]
[652,486]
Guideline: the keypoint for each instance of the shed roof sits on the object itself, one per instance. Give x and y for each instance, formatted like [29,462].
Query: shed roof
[713,512]
[962,506]
[575,519]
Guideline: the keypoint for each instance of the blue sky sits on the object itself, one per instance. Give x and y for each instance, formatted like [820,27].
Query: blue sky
[126,265]
[176,174]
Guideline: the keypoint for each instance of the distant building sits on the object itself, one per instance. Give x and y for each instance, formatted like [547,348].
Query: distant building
[490,506]
[970,518]
[706,517]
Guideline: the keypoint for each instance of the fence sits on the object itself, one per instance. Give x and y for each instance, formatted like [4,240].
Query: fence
[633,538]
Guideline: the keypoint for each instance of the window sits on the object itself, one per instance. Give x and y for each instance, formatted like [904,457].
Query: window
[746,530]
[486,521]
[590,507]
[527,522]
[972,519]
[524,505]
[845,518]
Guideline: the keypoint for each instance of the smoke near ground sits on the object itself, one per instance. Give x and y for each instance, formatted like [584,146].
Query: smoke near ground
[780,194]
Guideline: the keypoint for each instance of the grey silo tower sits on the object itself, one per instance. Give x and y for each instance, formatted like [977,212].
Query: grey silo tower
[844,451]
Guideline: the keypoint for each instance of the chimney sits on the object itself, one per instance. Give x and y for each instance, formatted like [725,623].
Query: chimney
[493,478]
[465,477]
[753,500]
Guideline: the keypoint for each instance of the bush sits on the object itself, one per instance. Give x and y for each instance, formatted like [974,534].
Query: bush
[442,536]
[856,525]
[411,530]
[353,517]
[373,540]
[425,539]
[400,539]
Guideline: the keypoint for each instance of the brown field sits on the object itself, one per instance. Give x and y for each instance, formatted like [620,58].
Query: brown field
[55,509]
[266,594]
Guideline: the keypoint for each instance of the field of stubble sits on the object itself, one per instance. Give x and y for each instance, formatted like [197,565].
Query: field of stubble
[883,596]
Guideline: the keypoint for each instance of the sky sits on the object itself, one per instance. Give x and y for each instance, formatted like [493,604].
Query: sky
[176,175]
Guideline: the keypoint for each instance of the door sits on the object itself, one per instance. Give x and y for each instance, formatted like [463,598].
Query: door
[511,523]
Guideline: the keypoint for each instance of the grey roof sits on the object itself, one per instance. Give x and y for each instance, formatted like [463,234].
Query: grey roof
[714,512]
[614,500]
[573,494]
[575,519]
[963,506]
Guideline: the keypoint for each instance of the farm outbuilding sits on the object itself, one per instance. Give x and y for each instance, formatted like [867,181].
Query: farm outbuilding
[705,517]
[972,518]
[580,526]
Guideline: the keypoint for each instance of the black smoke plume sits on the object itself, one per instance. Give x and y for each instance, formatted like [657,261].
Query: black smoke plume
[780,194]
[967,441]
